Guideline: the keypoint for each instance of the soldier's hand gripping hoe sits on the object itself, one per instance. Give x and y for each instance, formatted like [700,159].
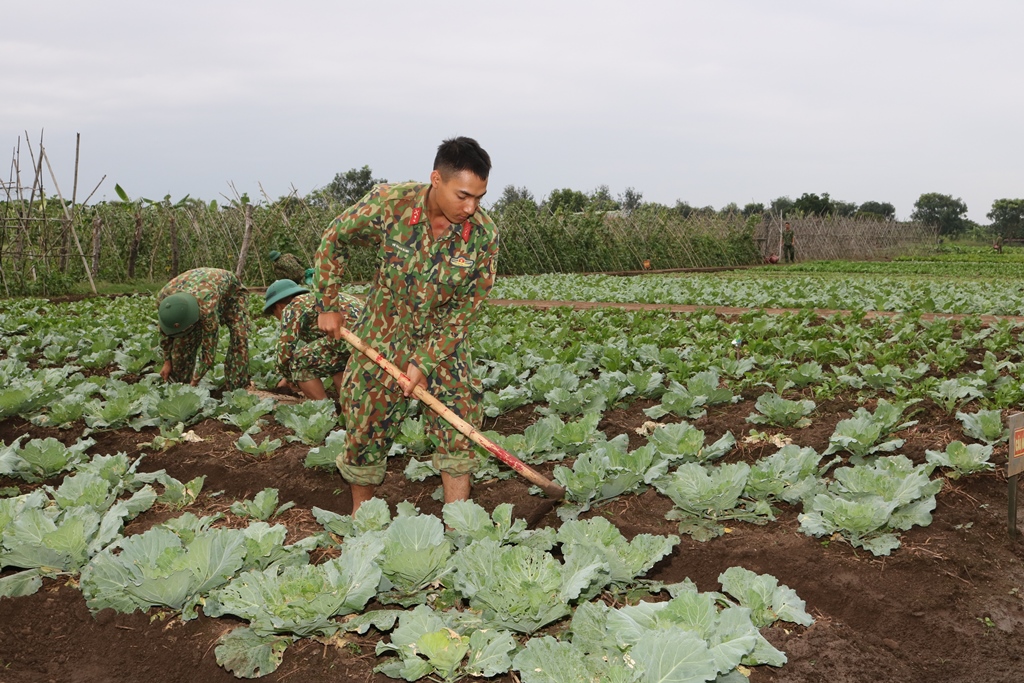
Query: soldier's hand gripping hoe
[549,487]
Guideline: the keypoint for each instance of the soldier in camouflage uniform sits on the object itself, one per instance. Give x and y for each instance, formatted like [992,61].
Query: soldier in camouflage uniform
[191,307]
[287,267]
[304,352]
[438,252]
[788,242]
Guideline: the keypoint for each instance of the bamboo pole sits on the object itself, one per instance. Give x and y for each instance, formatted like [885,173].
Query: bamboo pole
[246,238]
[133,250]
[67,214]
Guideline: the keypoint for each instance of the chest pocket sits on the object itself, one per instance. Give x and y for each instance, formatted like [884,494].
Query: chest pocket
[406,270]
[428,277]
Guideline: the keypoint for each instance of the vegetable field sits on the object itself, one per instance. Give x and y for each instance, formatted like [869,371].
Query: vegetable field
[767,497]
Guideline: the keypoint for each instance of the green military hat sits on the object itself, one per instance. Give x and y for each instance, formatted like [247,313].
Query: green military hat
[274,255]
[177,313]
[281,289]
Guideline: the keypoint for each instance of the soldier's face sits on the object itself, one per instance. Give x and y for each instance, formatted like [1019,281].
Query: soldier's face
[457,196]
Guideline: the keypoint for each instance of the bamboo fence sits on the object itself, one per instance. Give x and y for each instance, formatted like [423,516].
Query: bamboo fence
[145,240]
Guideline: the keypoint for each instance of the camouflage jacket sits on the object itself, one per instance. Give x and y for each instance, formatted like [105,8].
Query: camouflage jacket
[426,291]
[299,325]
[213,288]
[288,267]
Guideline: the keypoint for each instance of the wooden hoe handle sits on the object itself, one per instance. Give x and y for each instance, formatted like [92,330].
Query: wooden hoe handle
[549,487]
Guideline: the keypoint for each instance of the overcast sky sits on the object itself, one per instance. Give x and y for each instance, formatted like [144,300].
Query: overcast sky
[709,102]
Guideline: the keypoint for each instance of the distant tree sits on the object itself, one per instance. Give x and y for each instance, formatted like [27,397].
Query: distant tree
[730,209]
[781,206]
[1007,216]
[843,209]
[883,210]
[941,211]
[566,201]
[518,197]
[752,209]
[683,208]
[811,204]
[631,200]
[601,199]
[349,187]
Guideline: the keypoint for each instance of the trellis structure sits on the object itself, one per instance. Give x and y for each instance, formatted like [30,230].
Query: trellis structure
[35,243]
[828,238]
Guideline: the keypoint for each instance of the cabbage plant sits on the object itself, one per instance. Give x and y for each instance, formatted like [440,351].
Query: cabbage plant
[40,459]
[868,504]
[283,604]
[962,459]
[440,646]
[705,497]
[310,420]
[773,409]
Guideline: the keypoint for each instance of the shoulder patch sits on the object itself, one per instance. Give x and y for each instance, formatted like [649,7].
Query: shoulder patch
[417,213]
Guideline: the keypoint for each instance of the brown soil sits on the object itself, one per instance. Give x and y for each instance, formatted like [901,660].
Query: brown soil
[947,606]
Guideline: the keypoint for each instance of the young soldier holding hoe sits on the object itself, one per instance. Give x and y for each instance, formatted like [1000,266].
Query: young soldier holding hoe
[437,256]
[304,352]
[191,307]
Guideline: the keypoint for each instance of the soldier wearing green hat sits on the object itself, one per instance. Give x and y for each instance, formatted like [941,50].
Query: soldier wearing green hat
[304,352]
[190,310]
[288,267]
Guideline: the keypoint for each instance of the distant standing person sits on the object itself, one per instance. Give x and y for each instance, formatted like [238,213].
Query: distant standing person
[287,267]
[788,242]
[305,353]
[190,310]
[437,255]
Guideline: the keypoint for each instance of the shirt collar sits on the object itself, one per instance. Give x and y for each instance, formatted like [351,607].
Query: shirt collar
[419,215]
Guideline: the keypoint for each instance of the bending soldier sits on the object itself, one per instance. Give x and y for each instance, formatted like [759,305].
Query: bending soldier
[304,352]
[191,308]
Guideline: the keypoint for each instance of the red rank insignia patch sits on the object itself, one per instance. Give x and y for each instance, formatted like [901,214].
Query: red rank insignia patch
[465,231]
[415,217]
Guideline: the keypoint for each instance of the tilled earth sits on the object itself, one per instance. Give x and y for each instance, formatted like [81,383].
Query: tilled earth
[945,607]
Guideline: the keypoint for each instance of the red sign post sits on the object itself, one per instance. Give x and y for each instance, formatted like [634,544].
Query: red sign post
[1014,466]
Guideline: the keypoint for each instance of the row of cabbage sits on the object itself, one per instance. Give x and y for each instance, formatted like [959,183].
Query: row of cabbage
[761,289]
[509,578]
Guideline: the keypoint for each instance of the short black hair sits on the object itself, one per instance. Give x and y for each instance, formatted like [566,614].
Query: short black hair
[462,154]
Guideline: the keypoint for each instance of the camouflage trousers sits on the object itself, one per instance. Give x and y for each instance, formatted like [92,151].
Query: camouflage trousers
[236,363]
[323,357]
[373,409]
